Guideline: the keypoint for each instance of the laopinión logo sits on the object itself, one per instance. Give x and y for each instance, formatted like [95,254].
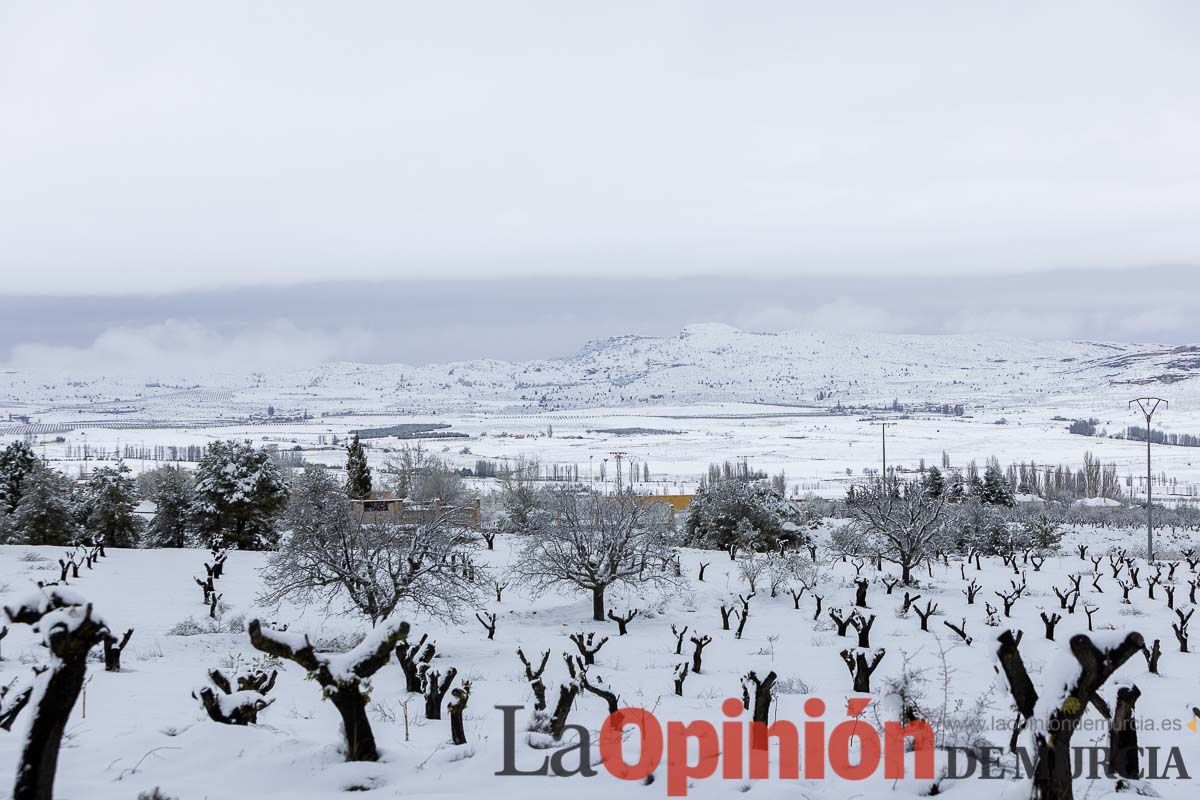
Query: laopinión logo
[852,750]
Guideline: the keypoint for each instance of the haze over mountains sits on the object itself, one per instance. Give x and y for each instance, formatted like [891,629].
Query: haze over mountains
[702,364]
[435,320]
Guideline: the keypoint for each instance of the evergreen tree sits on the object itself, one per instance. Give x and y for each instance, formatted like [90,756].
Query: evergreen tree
[722,512]
[934,483]
[43,515]
[171,491]
[239,495]
[996,490]
[112,516]
[957,490]
[358,474]
[16,462]
[1043,532]
[7,532]
[979,526]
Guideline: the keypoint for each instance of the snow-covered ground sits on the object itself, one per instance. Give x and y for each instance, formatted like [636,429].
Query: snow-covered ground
[820,453]
[703,364]
[673,405]
[803,402]
[140,728]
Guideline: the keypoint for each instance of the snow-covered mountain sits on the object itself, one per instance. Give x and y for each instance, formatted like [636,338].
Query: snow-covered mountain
[702,364]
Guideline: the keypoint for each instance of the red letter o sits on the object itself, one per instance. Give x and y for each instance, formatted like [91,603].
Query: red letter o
[613,754]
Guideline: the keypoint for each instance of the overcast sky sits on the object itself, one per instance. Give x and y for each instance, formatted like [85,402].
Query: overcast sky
[162,145]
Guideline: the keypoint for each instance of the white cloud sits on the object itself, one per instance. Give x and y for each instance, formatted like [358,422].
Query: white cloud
[182,348]
[1019,323]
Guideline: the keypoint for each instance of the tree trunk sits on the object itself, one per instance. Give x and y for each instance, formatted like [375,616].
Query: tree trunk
[598,603]
[558,721]
[39,760]
[360,740]
[458,734]
[1122,735]
[1053,775]
[433,706]
[762,710]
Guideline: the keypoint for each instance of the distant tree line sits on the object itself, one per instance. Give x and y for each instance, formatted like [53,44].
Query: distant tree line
[1083,427]
[1138,434]
[410,430]
[232,499]
[730,470]
[998,485]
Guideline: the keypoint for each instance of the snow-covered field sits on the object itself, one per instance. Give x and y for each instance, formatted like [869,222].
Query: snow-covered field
[670,405]
[802,402]
[140,728]
[819,452]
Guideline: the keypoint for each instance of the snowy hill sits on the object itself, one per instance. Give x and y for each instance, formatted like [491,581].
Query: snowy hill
[702,364]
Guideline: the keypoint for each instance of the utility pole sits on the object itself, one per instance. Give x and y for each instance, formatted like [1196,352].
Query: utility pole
[618,456]
[883,428]
[1148,405]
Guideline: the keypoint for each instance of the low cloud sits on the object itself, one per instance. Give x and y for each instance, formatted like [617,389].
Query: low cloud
[842,315]
[183,348]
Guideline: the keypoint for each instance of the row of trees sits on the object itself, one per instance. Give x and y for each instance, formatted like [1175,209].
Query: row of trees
[998,485]
[907,523]
[40,506]
[234,498]
[1139,434]
[338,557]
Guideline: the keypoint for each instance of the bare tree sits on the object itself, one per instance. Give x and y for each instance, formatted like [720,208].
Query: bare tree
[456,707]
[238,706]
[520,496]
[336,558]
[113,648]
[753,567]
[420,476]
[534,677]
[340,675]
[1053,768]
[592,542]
[903,521]
[69,631]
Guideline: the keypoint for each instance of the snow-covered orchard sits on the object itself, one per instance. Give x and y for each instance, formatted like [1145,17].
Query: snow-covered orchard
[141,727]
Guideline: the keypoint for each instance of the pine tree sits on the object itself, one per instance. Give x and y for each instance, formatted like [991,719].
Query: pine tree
[7,532]
[239,496]
[16,462]
[957,490]
[170,489]
[358,474]
[996,490]
[717,511]
[112,517]
[934,483]
[43,515]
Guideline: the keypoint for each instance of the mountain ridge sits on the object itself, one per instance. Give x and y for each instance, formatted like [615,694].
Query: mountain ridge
[703,363]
